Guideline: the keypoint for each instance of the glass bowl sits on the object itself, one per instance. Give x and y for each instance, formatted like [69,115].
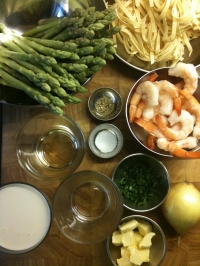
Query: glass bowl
[157,188]
[25,218]
[50,147]
[87,207]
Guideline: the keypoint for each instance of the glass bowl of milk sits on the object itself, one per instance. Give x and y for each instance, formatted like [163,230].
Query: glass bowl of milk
[25,218]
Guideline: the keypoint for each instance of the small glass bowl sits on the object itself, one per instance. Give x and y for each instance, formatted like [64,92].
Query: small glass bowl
[25,218]
[105,104]
[50,147]
[87,207]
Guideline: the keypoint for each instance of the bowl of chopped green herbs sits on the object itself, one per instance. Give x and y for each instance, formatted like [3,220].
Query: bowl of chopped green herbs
[143,182]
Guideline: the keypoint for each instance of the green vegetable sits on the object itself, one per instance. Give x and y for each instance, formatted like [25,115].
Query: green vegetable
[66,46]
[139,183]
[57,56]
[51,52]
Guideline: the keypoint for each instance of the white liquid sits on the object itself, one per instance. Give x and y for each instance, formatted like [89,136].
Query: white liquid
[24,217]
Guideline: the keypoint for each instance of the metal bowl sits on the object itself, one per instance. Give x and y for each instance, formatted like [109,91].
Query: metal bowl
[158,168]
[158,248]
[105,104]
[106,141]
[138,132]
[22,15]
[135,62]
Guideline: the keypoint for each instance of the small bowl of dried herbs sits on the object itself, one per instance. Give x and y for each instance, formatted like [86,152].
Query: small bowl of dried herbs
[143,182]
[105,104]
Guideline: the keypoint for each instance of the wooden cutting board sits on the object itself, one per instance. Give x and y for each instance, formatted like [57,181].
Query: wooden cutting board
[56,250]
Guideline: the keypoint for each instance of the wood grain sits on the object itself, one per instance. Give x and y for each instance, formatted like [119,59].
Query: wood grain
[56,250]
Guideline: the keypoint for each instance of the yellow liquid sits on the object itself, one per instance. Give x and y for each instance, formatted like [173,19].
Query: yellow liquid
[57,149]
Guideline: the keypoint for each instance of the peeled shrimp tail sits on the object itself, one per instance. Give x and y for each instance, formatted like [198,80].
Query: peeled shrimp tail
[147,92]
[176,147]
[186,120]
[151,142]
[167,87]
[181,153]
[188,73]
[149,127]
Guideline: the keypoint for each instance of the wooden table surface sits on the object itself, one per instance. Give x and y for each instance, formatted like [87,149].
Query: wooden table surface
[56,250]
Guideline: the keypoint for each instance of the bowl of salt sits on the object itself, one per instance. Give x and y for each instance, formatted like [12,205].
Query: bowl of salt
[105,140]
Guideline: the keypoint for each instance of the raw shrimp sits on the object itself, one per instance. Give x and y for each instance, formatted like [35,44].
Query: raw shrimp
[150,127]
[151,142]
[188,73]
[144,111]
[177,147]
[193,106]
[166,103]
[185,119]
[165,86]
[146,91]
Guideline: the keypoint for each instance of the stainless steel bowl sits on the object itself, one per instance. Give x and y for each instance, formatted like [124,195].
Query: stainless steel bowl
[158,248]
[138,132]
[22,15]
[135,62]
[105,104]
[157,167]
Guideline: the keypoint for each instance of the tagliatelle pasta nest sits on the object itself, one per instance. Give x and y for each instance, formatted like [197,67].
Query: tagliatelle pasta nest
[157,30]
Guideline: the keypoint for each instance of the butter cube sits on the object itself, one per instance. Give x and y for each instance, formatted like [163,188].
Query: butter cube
[135,256]
[144,253]
[130,225]
[127,238]
[117,238]
[146,241]
[144,227]
[124,262]
[125,252]
[138,238]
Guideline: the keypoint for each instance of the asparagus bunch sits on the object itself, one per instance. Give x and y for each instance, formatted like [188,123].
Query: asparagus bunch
[57,56]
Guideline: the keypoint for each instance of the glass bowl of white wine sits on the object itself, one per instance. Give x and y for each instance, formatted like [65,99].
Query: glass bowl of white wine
[50,147]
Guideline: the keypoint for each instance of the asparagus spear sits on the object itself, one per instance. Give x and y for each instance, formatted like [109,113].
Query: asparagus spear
[51,52]
[74,67]
[22,86]
[39,79]
[81,41]
[91,60]
[41,59]
[16,74]
[81,77]
[10,44]
[40,28]
[50,79]
[67,46]
[61,24]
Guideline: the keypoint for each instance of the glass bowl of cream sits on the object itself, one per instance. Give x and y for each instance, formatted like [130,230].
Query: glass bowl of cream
[25,218]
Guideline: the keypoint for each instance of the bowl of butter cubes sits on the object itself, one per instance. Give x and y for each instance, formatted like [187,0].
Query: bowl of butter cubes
[138,240]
